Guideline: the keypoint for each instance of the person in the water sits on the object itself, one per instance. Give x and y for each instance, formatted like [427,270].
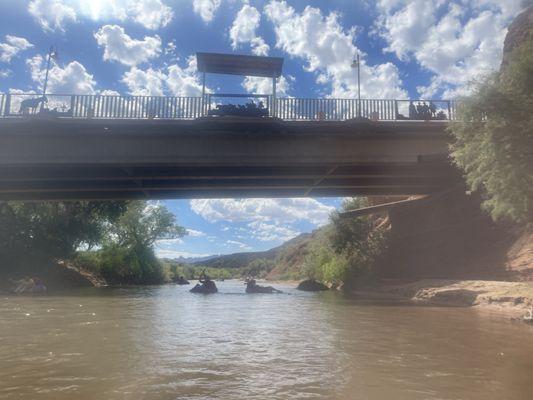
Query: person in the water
[253,287]
[205,285]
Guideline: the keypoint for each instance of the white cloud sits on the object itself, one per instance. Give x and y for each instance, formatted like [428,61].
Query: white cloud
[266,210]
[71,79]
[329,50]
[118,46]
[243,30]
[206,8]
[108,92]
[267,232]
[241,245]
[184,81]
[152,14]
[195,233]
[456,40]
[168,242]
[147,82]
[12,47]
[172,80]
[260,85]
[5,73]
[265,219]
[51,14]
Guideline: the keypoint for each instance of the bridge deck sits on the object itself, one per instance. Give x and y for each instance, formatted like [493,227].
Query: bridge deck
[220,157]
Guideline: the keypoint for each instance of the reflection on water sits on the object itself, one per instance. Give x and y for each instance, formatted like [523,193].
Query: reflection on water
[166,343]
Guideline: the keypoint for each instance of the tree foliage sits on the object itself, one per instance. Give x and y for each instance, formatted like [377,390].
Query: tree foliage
[348,249]
[494,138]
[54,229]
[142,224]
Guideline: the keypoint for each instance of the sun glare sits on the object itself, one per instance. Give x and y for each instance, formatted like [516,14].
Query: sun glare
[102,9]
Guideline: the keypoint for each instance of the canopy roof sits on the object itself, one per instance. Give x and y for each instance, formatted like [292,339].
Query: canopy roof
[234,64]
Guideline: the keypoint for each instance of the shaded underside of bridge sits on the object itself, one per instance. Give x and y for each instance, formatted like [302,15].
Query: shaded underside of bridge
[68,159]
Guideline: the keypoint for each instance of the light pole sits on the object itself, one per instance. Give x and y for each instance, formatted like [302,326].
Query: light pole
[51,54]
[357,64]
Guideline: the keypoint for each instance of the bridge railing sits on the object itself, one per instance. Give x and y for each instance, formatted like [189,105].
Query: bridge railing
[183,108]
[379,110]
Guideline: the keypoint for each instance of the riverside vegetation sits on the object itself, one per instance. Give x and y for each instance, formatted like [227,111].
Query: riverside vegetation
[113,240]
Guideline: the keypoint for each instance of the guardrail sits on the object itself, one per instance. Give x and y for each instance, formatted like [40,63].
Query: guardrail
[158,107]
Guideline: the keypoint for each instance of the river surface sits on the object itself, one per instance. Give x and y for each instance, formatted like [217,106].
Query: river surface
[166,343]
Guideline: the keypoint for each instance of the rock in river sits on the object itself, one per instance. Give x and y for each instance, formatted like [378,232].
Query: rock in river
[310,285]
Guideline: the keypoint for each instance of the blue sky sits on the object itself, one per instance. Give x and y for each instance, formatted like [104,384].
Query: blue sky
[409,49]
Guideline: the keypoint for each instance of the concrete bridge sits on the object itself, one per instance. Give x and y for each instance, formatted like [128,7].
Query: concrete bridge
[49,158]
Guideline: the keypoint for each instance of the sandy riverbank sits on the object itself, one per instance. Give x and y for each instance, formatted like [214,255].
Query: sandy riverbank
[512,300]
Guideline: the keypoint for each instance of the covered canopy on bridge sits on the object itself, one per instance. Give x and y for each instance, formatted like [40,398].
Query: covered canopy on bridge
[236,64]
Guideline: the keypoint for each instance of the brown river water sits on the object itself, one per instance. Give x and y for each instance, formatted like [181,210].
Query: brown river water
[166,343]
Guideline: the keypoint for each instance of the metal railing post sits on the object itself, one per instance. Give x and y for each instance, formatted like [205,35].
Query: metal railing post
[7,109]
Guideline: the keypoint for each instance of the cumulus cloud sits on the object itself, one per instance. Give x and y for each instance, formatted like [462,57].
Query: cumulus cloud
[51,14]
[71,79]
[12,46]
[119,46]
[147,82]
[152,14]
[206,8]
[243,30]
[260,85]
[329,49]
[456,40]
[173,80]
[265,219]
[282,210]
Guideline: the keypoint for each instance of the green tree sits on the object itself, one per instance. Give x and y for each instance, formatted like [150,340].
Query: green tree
[142,224]
[494,138]
[128,256]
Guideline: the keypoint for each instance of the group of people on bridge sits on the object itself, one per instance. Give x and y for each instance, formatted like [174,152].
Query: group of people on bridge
[425,111]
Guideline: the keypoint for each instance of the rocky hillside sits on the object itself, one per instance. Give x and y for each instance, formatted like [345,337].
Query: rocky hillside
[519,31]
[243,260]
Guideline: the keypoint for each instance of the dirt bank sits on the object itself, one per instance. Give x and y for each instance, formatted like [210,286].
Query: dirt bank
[509,299]
[56,275]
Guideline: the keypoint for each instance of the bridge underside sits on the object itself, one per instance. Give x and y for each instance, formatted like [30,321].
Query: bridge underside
[72,160]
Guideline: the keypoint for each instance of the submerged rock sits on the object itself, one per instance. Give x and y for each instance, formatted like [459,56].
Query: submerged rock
[310,285]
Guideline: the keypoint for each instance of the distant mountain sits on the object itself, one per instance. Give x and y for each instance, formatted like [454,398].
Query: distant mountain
[192,260]
[242,260]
